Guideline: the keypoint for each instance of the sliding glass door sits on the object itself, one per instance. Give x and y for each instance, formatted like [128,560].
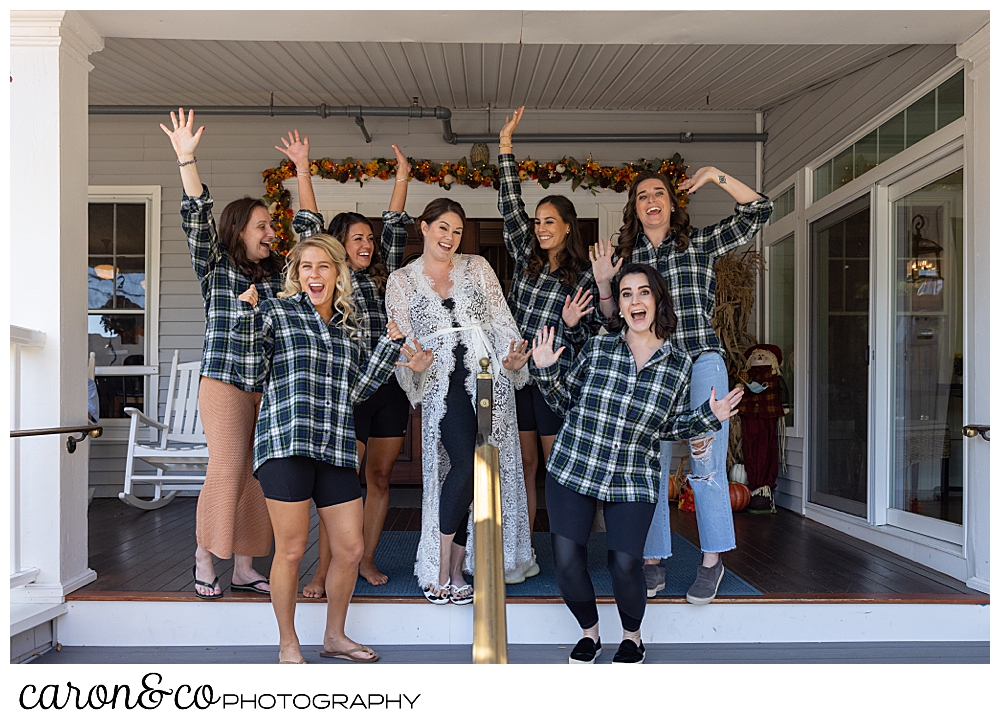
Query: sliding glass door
[840,270]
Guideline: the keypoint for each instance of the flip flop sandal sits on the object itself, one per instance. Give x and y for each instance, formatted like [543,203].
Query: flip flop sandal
[212,585]
[251,587]
[351,655]
[461,595]
[438,594]
[300,661]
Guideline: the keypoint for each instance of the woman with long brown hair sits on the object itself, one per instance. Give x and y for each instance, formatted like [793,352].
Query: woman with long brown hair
[454,304]
[381,420]
[551,287]
[656,230]
[230,260]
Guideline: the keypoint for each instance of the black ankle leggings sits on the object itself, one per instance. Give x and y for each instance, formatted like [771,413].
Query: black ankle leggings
[458,436]
[571,516]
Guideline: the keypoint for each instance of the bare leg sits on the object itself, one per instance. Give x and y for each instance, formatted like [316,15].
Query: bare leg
[382,454]
[291,532]
[343,522]
[448,549]
[316,588]
[529,460]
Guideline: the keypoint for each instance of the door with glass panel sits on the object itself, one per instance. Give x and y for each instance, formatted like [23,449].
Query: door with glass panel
[927,481]
[840,290]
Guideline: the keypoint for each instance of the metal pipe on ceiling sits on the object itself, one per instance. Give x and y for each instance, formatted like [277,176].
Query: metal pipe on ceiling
[438,112]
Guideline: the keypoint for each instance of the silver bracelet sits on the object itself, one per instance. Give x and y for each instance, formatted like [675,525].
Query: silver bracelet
[194,159]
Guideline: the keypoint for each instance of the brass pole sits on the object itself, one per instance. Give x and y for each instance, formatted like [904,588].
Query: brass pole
[489,638]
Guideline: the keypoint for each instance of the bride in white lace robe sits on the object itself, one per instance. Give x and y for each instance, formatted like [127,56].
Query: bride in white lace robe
[483,316]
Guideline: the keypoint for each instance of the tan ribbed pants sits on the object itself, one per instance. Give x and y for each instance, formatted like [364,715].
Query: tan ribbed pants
[232,514]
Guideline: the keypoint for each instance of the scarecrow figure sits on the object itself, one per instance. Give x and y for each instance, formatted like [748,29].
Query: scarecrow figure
[762,412]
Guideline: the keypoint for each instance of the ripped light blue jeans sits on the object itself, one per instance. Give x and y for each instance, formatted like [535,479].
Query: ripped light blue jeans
[708,478]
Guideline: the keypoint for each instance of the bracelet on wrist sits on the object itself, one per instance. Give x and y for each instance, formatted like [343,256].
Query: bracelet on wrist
[402,180]
[194,159]
[610,296]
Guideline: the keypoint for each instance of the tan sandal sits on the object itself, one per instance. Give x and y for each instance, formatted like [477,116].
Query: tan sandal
[352,655]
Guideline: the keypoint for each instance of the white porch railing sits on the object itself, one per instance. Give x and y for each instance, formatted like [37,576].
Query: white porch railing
[20,338]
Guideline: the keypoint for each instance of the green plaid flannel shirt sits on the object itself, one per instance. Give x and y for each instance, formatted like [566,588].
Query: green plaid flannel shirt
[536,303]
[312,374]
[368,303]
[615,416]
[221,283]
[690,275]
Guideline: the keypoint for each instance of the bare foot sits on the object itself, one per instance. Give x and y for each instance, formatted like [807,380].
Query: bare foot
[372,574]
[316,588]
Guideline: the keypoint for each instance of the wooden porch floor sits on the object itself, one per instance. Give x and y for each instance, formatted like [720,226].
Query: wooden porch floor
[148,554]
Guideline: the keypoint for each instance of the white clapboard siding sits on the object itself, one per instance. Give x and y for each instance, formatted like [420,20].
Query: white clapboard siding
[790,490]
[129,150]
[810,124]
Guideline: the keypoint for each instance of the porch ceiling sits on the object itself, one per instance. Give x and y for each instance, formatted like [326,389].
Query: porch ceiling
[633,77]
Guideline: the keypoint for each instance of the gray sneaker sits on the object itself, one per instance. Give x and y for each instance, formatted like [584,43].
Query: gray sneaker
[656,578]
[706,584]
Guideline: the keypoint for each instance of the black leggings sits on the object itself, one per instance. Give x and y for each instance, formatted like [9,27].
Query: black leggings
[458,436]
[571,516]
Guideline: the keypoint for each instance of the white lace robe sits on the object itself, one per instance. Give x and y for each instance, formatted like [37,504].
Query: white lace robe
[418,310]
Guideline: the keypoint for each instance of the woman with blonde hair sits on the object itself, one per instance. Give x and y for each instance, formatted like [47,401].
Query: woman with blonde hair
[381,420]
[314,370]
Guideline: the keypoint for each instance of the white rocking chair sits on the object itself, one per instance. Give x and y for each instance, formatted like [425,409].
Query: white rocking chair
[177,449]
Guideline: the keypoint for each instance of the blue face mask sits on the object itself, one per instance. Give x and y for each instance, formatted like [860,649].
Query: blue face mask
[756,387]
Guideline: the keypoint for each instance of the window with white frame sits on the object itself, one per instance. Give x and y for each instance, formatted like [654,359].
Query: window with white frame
[931,112]
[122,276]
[780,292]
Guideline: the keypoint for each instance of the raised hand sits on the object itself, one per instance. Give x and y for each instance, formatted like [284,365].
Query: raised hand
[517,355]
[402,165]
[508,127]
[250,296]
[600,259]
[296,149]
[183,138]
[704,175]
[418,359]
[726,407]
[576,307]
[542,351]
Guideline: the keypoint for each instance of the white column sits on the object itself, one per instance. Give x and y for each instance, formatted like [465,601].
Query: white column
[976,53]
[48,285]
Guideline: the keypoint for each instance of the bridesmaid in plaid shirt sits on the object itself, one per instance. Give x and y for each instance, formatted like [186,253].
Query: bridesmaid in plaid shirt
[656,230]
[625,392]
[381,420]
[552,285]
[314,370]
[232,517]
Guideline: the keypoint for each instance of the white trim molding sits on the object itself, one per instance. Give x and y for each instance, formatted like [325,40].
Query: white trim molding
[58,28]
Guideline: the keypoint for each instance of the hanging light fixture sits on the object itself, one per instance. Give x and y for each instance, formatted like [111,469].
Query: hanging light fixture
[925,254]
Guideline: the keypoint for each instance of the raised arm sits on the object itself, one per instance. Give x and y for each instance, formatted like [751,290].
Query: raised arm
[395,219]
[185,140]
[517,225]
[752,211]
[398,200]
[298,151]
[560,391]
[741,193]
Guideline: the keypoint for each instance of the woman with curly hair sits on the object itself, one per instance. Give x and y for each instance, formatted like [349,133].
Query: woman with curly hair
[381,420]
[656,230]
[552,286]
[314,369]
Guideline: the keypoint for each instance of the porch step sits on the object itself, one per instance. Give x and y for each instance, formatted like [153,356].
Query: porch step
[854,652]
[25,616]
[190,622]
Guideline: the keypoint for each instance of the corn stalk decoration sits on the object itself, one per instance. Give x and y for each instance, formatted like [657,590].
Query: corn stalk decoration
[735,282]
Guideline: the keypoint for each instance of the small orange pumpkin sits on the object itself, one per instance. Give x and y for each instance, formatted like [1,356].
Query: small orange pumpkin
[673,487]
[739,496]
